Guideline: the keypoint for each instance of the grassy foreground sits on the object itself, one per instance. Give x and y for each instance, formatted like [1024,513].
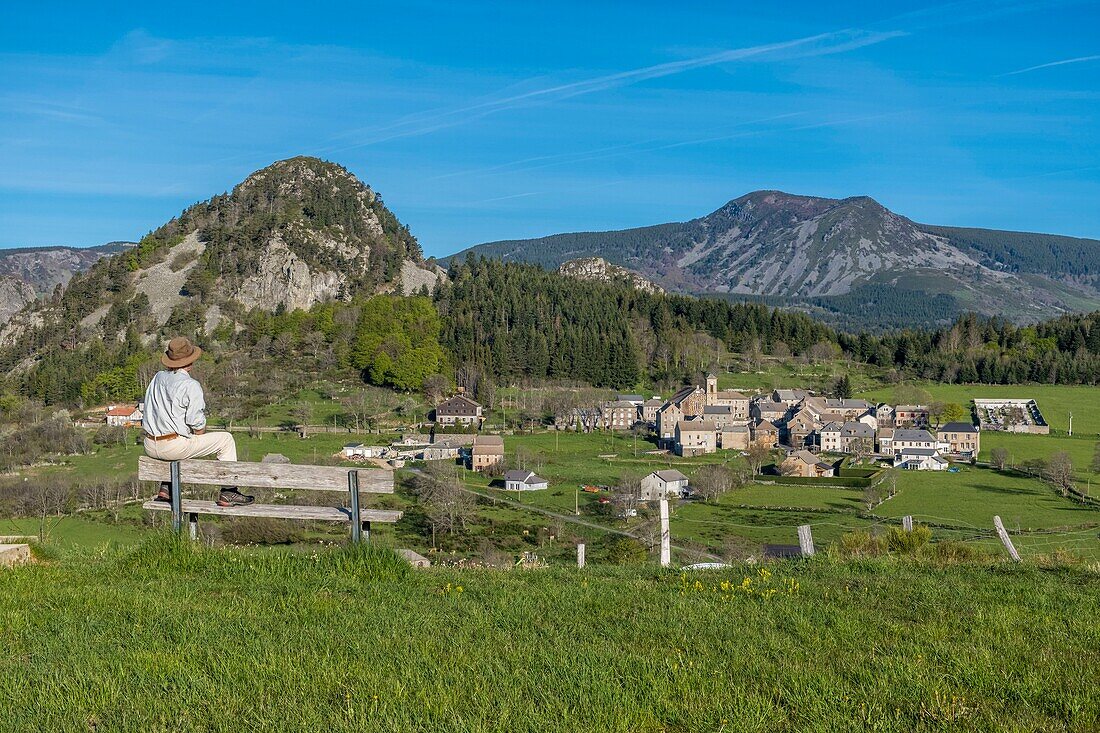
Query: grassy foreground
[169,637]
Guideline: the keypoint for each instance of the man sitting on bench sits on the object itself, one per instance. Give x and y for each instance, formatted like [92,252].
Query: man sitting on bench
[174,421]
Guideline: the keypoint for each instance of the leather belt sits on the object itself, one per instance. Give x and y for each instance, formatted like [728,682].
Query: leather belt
[158,438]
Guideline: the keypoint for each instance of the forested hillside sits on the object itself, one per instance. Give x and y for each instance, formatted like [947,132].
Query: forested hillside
[1047,254]
[499,322]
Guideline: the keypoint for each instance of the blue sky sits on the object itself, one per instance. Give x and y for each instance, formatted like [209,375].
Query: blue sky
[482,121]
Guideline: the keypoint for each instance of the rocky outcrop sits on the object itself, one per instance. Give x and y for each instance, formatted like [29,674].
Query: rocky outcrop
[286,281]
[600,270]
[415,278]
[163,282]
[14,294]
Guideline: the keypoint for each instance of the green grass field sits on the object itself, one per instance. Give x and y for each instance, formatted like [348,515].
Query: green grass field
[166,637]
[963,504]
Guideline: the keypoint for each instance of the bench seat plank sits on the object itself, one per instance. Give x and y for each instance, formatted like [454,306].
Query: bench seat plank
[267,475]
[278,511]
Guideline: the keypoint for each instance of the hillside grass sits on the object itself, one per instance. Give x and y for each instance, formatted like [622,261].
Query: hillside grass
[172,637]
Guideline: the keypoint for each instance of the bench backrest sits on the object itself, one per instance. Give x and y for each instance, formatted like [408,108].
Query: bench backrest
[267,475]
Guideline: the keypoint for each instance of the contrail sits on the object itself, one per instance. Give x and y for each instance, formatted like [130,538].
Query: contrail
[1077,60]
[816,45]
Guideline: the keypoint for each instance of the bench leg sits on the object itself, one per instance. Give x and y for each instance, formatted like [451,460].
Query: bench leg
[193,525]
[353,500]
[177,503]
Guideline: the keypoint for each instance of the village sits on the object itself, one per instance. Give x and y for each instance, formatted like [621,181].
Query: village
[796,432]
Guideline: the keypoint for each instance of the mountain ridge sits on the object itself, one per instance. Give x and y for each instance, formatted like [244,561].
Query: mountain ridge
[802,249]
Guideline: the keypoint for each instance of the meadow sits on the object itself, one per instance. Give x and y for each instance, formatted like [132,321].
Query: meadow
[959,505]
[166,636]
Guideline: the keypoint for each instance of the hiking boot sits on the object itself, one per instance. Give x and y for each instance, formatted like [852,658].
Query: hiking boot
[165,493]
[229,496]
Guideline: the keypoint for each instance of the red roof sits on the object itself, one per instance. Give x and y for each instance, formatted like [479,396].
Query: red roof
[122,411]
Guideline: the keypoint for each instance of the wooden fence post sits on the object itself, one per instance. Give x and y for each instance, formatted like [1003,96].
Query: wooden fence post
[1005,539]
[580,556]
[907,523]
[666,549]
[806,540]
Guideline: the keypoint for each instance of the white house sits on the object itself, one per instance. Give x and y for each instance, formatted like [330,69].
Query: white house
[517,480]
[124,415]
[920,459]
[662,484]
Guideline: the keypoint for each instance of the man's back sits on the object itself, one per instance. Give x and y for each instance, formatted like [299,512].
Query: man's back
[173,404]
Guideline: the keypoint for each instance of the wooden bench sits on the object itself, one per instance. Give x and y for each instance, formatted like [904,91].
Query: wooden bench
[270,476]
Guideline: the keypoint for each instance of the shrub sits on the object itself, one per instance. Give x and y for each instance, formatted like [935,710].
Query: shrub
[860,544]
[908,543]
[625,551]
[109,435]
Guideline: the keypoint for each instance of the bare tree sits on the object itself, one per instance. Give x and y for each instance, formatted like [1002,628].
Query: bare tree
[435,387]
[447,504]
[710,482]
[756,455]
[1059,472]
[999,457]
[627,494]
[861,448]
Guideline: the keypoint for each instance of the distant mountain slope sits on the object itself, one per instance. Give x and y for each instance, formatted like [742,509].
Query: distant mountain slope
[44,268]
[804,251]
[14,294]
[1047,254]
[298,232]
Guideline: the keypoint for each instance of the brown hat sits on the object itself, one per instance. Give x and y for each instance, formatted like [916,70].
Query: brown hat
[180,353]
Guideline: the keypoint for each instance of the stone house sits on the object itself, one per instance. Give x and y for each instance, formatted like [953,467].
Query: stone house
[487,451]
[649,410]
[618,415]
[806,464]
[962,438]
[458,410]
[909,438]
[695,437]
[801,429]
[765,433]
[911,416]
[735,437]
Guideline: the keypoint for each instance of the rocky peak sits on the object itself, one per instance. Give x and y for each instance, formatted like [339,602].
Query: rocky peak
[600,270]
